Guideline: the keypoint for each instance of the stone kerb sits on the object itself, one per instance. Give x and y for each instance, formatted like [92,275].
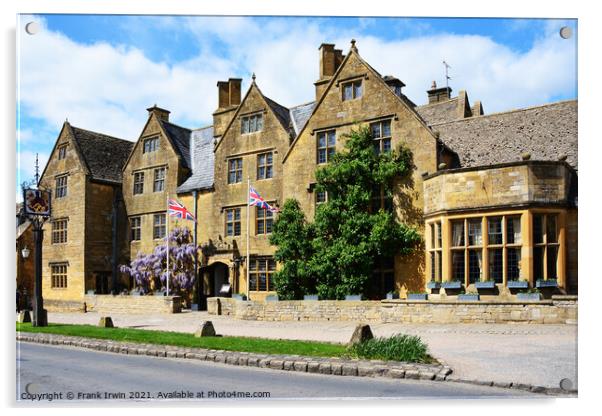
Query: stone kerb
[555,311]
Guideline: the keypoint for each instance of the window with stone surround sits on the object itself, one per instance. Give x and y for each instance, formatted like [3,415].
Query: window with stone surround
[135,228]
[150,145]
[59,231]
[265,168]
[261,271]
[138,183]
[327,141]
[233,225]
[545,246]
[381,134]
[62,151]
[235,170]
[159,182]
[61,187]
[264,221]
[381,199]
[58,276]
[251,124]
[159,226]
[352,90]
[321,197]
[435,251]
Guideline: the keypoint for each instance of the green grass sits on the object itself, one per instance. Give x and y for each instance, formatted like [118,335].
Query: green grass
[395,348]
[244,344]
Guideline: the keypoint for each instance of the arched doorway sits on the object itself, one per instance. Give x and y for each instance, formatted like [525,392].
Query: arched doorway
[218,276]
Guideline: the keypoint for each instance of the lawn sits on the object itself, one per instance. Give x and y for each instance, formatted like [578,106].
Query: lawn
[244,344]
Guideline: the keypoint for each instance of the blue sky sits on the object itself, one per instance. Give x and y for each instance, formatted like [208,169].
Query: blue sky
[102,71]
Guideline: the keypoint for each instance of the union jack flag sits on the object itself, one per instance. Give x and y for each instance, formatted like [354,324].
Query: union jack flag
[256,200]
[175,209]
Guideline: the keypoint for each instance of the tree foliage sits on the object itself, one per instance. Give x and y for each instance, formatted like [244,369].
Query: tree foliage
[150,270]
[336,254]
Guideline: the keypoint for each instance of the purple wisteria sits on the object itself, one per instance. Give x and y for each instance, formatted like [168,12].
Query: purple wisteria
[150,270]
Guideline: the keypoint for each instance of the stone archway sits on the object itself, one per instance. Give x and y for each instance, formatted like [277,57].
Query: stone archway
[219,274]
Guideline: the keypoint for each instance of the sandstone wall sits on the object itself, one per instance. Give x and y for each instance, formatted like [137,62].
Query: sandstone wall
[133,304]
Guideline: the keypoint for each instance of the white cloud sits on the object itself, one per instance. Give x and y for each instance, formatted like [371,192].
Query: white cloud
[26,162]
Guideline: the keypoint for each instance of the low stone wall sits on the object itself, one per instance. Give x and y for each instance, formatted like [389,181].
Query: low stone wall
[133,304]
[558,310]
[57,305]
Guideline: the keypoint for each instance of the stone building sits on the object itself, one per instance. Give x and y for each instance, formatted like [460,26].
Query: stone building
[495,196]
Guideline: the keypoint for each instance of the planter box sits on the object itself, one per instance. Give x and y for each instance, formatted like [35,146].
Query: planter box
[517,284]
[433,285]
[239,297]
[353,297]
[417,296]
[271,298]
[528,296]
[546,283]
[310,297]
[451,285]
[468,297]
[485,285]
[392,295]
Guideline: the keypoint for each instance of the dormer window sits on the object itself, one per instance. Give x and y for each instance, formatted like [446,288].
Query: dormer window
[352,90]
[251,124]
[150,145]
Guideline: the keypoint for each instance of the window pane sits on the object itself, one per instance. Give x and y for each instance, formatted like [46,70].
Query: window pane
[259,122]
[387,128]
[494,225]
[538,229]
[475,237]
[475,265]
[347,92]
[237,228]
[551,229]
[513,230]
[458,265]
[552,254]
[538,262]
[433,266]
[439,239]
[332,138]
[458,233]
[321,139]
[375,130]
[513,263]
[439,264]
[322,156]
[357,89]
[237,214]
[386,145]
[495,265]
[432,228]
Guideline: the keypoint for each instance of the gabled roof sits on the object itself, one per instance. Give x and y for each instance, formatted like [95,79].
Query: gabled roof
[441,112]
[546,132]
[203,161]
[300,115]
[281,113]
[103,155]
[180,139]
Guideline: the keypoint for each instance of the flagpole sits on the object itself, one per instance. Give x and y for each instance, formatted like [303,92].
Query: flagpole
[167,242]
[248,219]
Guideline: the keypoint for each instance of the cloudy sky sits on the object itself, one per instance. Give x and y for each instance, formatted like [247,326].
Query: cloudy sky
[102,72]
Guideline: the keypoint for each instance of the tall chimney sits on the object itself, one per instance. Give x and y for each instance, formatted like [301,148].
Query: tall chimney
[330,60]
[228,98]
[161,113]
[438,94]
[234,88]
[223,94]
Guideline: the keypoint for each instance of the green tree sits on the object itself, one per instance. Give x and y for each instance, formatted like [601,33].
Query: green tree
[339,250]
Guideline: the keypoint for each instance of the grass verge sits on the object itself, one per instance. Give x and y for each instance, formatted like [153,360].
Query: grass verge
[398,347]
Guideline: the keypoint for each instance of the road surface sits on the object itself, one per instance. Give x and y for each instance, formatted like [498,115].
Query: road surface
[69,374]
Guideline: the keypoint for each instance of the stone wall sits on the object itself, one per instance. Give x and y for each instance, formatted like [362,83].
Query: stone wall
[558,310]
[133,304]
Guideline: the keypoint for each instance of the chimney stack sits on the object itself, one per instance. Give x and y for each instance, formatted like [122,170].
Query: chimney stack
[161,113]
[330,60]
[228,99]
[438,94]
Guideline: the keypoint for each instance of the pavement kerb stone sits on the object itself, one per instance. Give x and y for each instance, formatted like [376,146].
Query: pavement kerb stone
[335,366]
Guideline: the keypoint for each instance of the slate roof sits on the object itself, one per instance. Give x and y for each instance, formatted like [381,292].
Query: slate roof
[203,160]
[104,155]
[442,112]
[180,137]
[546,132]
[300,115]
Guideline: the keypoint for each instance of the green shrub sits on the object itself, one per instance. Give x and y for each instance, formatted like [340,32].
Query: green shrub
[398,347]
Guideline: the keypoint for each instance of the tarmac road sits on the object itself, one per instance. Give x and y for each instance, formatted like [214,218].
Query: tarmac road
[65,372]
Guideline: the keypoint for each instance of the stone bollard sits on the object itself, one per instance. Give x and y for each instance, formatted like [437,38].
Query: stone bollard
[24,317]
[206,330]
[362,333]
[106,322]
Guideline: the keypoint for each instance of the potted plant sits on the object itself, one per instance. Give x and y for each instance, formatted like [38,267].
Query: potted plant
[353,297]
[433,284]
[271,298]
[469,296]
[485,284]
[239,296]
[310,297]
[392,295]
[452,284]
[529,295]
[546,283]
[517,284]
[417,296]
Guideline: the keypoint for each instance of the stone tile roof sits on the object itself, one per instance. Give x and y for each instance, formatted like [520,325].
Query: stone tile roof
[203,160]
[180,137]
[442,112]
[282,113]
[300,115]
[546,132]
[104,155]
